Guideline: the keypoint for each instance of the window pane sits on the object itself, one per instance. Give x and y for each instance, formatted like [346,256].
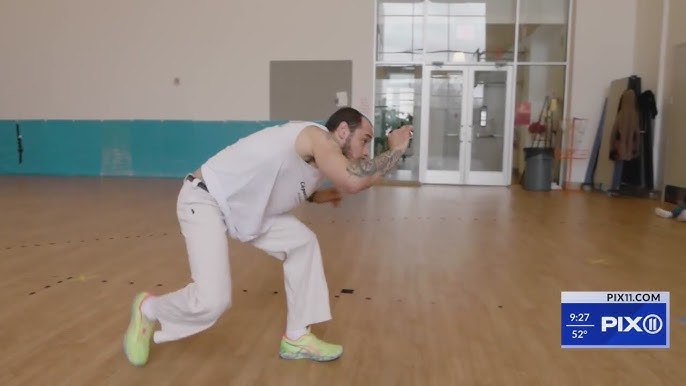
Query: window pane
[489,117]
[539,96]
[401,7]
[398,102]
[400,39]
[476,31]
[543,30]
[445,119]
[399,31]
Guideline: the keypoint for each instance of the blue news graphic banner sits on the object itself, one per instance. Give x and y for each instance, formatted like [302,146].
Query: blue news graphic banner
[615,319]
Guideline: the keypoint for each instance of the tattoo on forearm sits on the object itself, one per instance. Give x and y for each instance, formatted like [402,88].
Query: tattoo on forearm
[382,163]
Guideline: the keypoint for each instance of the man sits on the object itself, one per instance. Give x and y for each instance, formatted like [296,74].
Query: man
[247,190]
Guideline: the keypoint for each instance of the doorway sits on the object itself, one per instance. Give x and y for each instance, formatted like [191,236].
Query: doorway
[467,125]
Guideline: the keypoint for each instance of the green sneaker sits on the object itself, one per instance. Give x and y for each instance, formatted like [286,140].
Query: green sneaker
[309,347]
[138,334]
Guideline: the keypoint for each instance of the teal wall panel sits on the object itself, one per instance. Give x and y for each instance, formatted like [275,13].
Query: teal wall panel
[54,148]
[137,148]
[115,148]
[8,146]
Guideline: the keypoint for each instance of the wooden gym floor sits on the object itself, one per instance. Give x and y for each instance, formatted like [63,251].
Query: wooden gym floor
[451,286]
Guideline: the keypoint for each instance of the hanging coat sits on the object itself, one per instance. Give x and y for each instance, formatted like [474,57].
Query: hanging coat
[625,137]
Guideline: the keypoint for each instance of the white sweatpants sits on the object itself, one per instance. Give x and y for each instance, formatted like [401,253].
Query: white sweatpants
[198,305]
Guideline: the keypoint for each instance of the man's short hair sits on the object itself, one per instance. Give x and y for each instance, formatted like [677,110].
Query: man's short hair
[348,115]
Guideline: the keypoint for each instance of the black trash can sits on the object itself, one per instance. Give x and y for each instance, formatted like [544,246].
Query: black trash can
[538,170]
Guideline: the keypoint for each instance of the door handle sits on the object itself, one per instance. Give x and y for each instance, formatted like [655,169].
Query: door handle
[489,135]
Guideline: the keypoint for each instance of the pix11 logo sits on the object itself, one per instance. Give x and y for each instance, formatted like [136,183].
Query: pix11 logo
[651,324]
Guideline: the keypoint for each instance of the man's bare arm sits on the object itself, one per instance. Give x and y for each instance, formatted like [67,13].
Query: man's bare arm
[334,165]
[348,176]
[378,166]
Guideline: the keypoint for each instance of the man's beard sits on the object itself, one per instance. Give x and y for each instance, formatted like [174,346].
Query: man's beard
[346,148]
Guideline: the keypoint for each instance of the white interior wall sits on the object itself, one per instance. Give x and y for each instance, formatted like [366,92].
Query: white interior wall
[647,64]
[603,50]
[96,59]
[80,59]
[647,52]
[676,34]
[668,120]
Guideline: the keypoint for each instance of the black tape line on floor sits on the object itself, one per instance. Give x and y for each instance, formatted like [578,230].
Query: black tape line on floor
[98,238]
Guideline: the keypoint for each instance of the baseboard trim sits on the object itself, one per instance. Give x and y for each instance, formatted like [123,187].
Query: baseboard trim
[573,186]
[387,182]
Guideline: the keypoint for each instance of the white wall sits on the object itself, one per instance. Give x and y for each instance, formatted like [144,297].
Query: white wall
[676,35]
[96,59]
[671,122]
[603,50]
[647,37]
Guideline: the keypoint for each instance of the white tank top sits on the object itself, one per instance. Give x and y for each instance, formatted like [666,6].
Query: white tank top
[260,176]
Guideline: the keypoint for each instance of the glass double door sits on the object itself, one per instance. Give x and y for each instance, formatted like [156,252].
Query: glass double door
[467,125]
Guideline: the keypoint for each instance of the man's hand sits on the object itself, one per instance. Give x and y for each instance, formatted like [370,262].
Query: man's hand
[399,139]
[331,195]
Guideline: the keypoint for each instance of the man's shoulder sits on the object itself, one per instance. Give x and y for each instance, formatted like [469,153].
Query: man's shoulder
[312,135]
[313,131]
[311,126]
[300,124]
